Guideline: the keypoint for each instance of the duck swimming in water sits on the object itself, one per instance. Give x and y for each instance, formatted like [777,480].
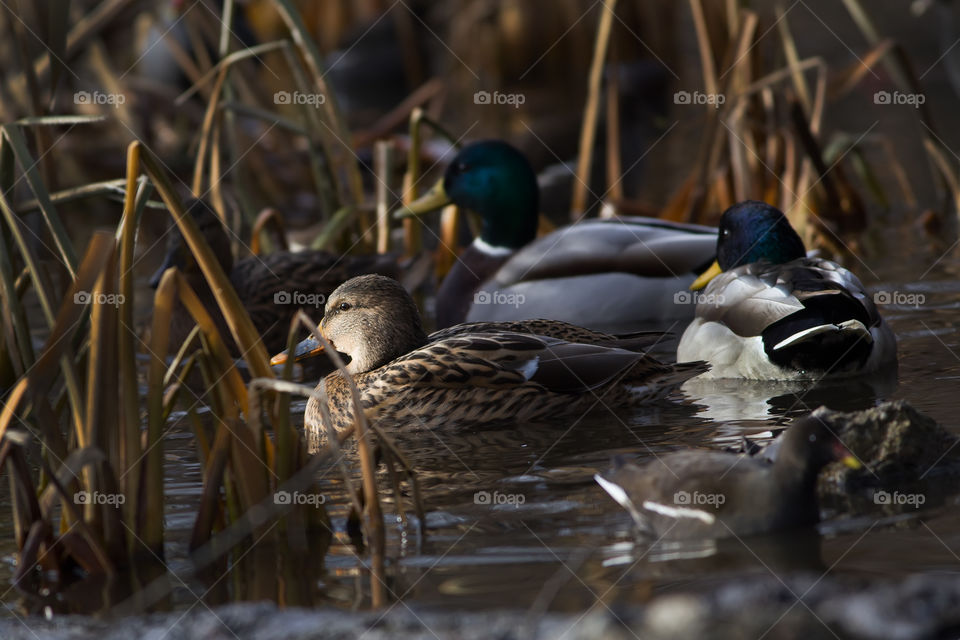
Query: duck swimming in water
[598,273]
[474,374]
[770,312]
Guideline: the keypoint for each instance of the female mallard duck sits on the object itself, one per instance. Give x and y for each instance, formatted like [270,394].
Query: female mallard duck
[770,312]
[717,494]
[474,374]
[272,287]
[600,273]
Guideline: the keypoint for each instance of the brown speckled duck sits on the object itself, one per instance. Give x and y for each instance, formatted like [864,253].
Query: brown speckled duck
[272,287]
[478,373]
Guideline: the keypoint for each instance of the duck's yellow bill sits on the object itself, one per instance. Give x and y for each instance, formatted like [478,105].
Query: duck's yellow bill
[706,276]
[434,199]
[305,349]
[850,461]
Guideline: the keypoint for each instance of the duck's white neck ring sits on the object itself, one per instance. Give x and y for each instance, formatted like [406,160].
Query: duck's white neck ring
[488,249]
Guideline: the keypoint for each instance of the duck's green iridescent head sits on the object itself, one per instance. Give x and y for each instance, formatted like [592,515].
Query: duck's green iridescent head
[752,231]
[495,181]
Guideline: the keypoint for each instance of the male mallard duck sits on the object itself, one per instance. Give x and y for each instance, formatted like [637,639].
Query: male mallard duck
[271,287]
[599,273]
[717,494]
[770,312]
[474,374]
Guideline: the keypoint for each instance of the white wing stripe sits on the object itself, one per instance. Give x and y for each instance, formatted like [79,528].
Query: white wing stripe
[679,512]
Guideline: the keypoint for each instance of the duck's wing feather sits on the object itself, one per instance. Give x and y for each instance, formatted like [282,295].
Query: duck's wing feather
[687,490]
[745,302]
[813,277]
[635,341]
[569,367]
[639,246]
[659,478]
[508,359]
[493,360]
[751,298]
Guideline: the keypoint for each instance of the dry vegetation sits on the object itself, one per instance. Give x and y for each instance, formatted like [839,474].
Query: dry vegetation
[81,411]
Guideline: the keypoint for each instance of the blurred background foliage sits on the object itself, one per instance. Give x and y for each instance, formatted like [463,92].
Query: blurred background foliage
[382,58]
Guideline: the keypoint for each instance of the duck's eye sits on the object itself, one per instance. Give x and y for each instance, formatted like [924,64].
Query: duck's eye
[461,167]
[725,232]
[343,306]
[813,438]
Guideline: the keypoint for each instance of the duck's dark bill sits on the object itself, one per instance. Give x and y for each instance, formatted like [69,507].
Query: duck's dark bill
[706,277]
[434,199]
[306,349]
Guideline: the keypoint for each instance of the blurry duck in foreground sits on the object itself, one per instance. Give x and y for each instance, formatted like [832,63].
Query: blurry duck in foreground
[272,287]
[770,312]
[717,494]
[598,273]
[474,374]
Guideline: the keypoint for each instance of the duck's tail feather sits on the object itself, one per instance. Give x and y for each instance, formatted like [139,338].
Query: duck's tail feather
[855,328]
[810,342]
[650,386]
[640,340]
[683,371]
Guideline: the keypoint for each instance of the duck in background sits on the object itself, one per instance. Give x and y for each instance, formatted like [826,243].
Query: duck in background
[272,287]
[687,495]
[475,374]
[599,273]
[770,312]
